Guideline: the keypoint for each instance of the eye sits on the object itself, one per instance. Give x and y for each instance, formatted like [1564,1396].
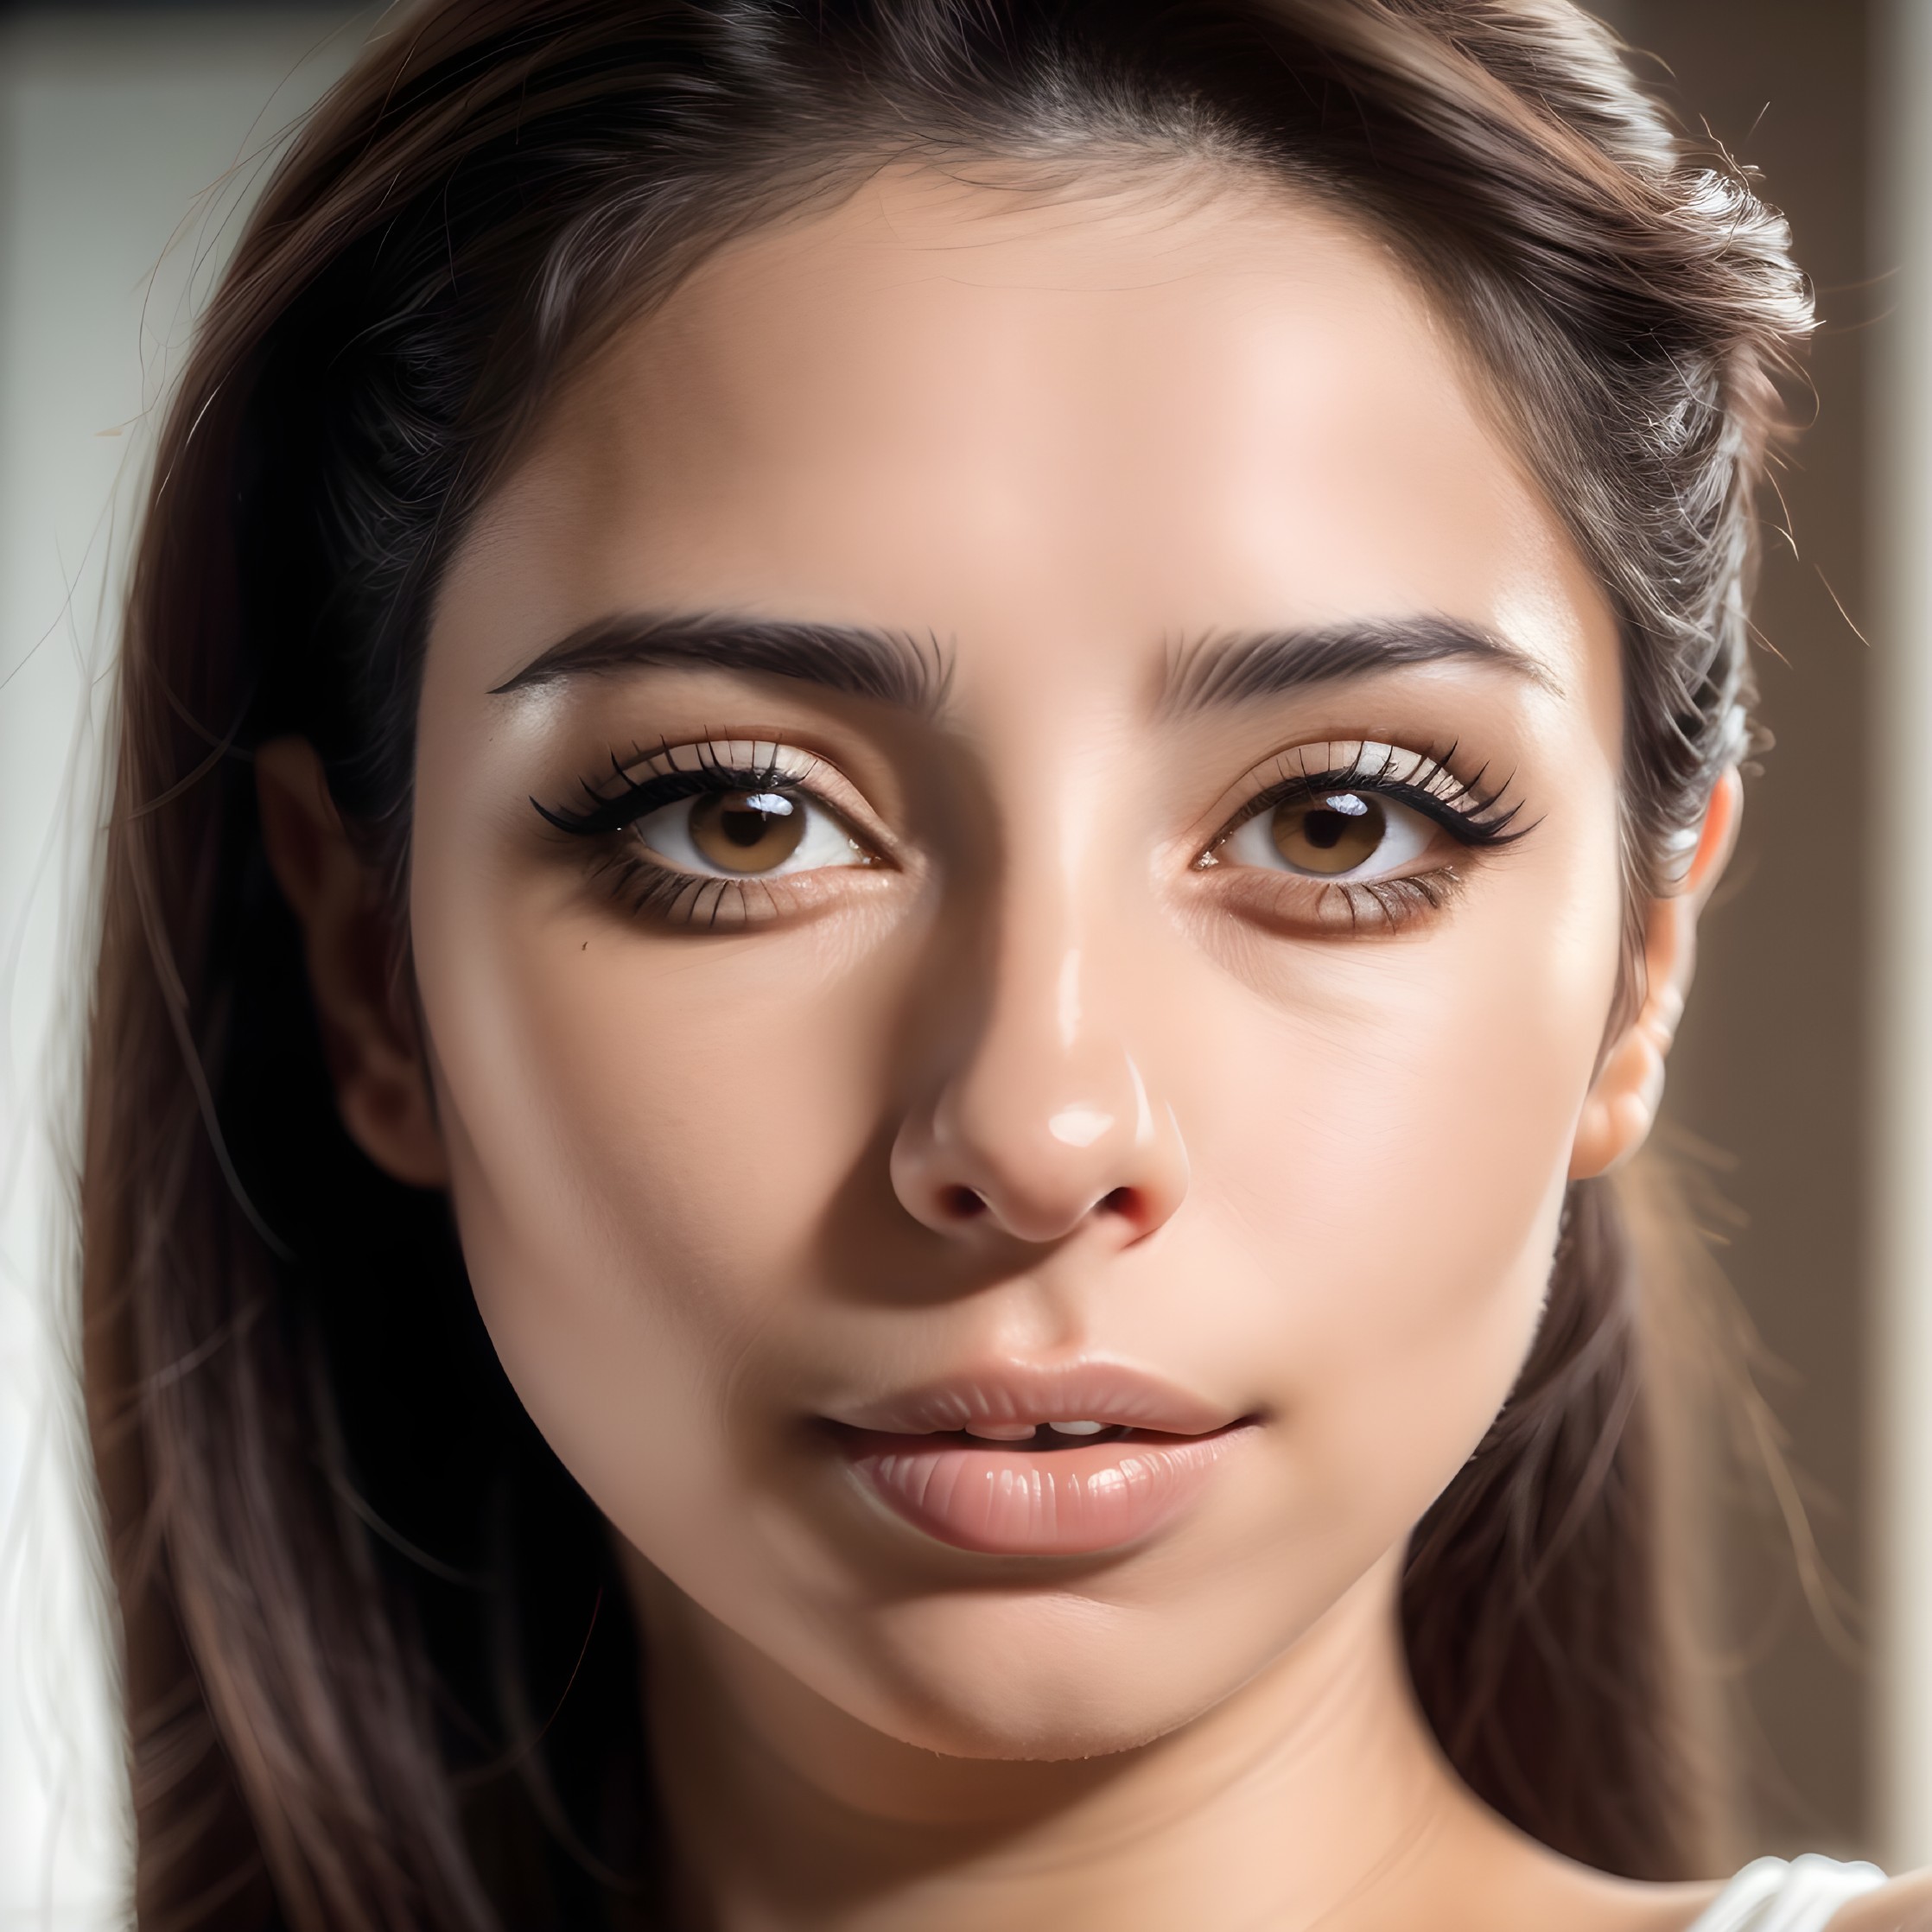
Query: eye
[748,835]
[1332,835]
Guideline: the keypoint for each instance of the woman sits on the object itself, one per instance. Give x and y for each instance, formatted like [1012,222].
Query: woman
[912,794]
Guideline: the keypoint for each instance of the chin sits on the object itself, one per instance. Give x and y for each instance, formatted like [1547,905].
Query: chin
[1045,1677]
[1058,1724]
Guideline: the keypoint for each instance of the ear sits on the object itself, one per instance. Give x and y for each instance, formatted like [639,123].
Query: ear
[369,1033]
[1621,1105]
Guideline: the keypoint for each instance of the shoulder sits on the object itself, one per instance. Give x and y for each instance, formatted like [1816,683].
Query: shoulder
[1904,1905]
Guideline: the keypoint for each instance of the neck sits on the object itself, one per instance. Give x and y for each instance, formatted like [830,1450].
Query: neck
[1312,1795]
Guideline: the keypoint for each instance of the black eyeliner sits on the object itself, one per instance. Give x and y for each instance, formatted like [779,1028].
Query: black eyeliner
[615,812]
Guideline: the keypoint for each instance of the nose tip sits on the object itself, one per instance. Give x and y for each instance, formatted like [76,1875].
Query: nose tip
[1079,1127]
[986,1161]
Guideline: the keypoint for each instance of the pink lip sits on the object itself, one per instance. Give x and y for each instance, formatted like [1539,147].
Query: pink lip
[999,1498]
[1037,1503]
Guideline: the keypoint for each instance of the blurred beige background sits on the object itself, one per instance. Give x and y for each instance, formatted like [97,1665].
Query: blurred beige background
[1775,1070]
[128,140]
[129,136]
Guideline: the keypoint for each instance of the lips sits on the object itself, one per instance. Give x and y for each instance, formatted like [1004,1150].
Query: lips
[1128,1455]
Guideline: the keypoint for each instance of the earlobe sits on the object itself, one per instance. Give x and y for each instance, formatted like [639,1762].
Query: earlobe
[1622,1105]
[370,1034]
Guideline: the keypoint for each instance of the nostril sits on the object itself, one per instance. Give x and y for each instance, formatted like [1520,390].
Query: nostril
[1121,1200]
[963,1204]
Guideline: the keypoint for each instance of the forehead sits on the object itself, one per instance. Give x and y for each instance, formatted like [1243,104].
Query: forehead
[1166,405]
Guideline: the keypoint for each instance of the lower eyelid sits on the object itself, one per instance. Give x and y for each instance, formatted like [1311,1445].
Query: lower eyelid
[1302,906]
[643,889]
[652,891]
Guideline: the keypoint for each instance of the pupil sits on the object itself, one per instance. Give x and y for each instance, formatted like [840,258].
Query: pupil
[747,820]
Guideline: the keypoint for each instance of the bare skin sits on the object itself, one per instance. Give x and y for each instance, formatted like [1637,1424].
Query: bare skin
[1050,1055]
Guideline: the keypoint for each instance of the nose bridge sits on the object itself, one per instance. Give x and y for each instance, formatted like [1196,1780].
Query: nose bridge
[1042,1113]
[1051,1029]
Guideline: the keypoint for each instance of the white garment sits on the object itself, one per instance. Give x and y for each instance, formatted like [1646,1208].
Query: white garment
[1803,1895]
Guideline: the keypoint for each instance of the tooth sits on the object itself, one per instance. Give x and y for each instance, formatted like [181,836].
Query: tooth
[1002,1432]
[1076,1428]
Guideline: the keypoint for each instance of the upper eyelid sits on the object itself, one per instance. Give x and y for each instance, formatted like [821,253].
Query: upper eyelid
[767,756]
[1371,761]
[1365,765]
[1418,798]
[771,760]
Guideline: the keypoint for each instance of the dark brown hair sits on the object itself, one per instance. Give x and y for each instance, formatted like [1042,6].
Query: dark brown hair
[356,1585]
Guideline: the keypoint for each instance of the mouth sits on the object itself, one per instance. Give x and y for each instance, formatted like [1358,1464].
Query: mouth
[1025,1465]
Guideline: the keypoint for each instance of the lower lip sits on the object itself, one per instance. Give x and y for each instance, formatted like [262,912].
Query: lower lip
[1007,1502]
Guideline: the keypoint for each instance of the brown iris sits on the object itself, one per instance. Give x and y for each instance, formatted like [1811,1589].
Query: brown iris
[1330,834]
[748,831]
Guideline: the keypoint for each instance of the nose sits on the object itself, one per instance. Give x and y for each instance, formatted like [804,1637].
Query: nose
[1044,1122]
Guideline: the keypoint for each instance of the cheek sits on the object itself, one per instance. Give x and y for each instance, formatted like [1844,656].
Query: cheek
[1385,1153]
[646,1138]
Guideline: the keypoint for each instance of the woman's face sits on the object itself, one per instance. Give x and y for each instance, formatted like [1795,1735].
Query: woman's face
[1017,825]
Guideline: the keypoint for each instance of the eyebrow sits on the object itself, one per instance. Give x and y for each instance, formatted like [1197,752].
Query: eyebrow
[889,667]
[1222,670]
[915,675]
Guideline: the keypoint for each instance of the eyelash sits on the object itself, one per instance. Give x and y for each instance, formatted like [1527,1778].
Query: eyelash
[1464,808]
[650,890]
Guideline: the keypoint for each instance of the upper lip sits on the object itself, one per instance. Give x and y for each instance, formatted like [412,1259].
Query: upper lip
[1106,1392]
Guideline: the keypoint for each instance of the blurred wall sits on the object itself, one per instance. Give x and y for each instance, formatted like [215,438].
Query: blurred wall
[127,141]
[1771,1071]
